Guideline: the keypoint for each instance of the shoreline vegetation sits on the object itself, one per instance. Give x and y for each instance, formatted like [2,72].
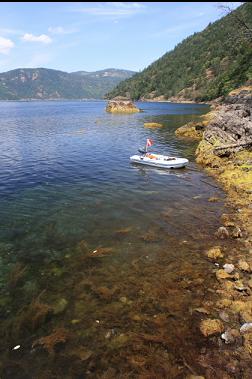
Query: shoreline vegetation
[225,152]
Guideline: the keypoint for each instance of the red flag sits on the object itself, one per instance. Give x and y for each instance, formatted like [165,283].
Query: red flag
[149,142]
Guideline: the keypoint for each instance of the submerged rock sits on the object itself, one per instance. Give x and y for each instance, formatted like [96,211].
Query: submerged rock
[228,268]
[60,306]
[101,252]
[222,232]
[215,253]
[243,266]
[153,125]
[210,327]
[230,335]
[245,328]
[222,274]
[121,106]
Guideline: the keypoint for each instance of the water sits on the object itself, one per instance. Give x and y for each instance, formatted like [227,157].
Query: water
[68,189]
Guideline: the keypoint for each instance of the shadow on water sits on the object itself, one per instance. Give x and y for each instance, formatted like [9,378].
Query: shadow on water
[102,262]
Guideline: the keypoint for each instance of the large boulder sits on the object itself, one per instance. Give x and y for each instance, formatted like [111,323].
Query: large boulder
[121,106]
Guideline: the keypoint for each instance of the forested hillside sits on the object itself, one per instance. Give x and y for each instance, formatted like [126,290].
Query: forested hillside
[43,83]
[204,66]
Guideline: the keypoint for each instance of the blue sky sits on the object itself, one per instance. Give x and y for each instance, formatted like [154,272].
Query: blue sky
[93,36]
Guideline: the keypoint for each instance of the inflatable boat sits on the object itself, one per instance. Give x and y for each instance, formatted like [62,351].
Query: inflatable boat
[159,160]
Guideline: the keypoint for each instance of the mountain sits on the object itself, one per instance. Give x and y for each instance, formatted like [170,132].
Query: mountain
[202,67]
[43,83]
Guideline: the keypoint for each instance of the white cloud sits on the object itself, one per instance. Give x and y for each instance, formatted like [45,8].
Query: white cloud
[60,30]
[43,38]
[119,9]
[5,45]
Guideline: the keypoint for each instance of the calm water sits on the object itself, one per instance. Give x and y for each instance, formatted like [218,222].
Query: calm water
[67,189]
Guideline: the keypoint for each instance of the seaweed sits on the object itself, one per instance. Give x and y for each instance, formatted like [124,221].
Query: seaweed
[58,336]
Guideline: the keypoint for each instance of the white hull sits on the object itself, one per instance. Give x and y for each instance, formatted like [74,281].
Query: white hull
[158,160]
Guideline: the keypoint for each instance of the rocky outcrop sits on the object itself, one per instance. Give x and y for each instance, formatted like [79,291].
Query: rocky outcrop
[121,106]
[195,129]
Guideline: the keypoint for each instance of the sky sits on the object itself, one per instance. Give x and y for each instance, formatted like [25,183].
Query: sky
[93,36]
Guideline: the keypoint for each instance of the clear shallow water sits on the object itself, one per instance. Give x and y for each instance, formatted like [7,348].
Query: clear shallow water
[67,188]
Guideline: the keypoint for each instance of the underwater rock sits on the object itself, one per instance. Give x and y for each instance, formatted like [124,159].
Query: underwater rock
[211,327]
[213,199]
[228,268]
[101,252]
[82,354]
[222,232]
[214,253]
[59,306]
[245,328]
[119,341]
[236,232]
[104,292]
[121,106]
[227,220]
[239,286]
[224,316]
[248,342]
[153,125]
[223,303]
[123,231]
[230,335]
[222,274]
[243,266]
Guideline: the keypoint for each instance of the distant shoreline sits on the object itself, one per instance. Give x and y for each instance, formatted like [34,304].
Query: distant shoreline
[104,100]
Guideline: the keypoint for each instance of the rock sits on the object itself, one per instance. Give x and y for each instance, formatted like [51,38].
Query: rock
[121,106]
[236,232]
[125,300]
[222,274]
[60,306]
[215,253]
[223,303]
[101,252]
[250,283]
[213,199]
[248,342]
[224,316]
[227,219]
[243,266]
[201,310]
[211,327]
[153,125]
[245,328]
[195,377]
[105,292]
[228,268]
[222,232]
[191,130]
[230,335]
[239,286]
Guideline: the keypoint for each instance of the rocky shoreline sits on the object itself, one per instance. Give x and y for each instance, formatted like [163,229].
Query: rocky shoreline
[225,151]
